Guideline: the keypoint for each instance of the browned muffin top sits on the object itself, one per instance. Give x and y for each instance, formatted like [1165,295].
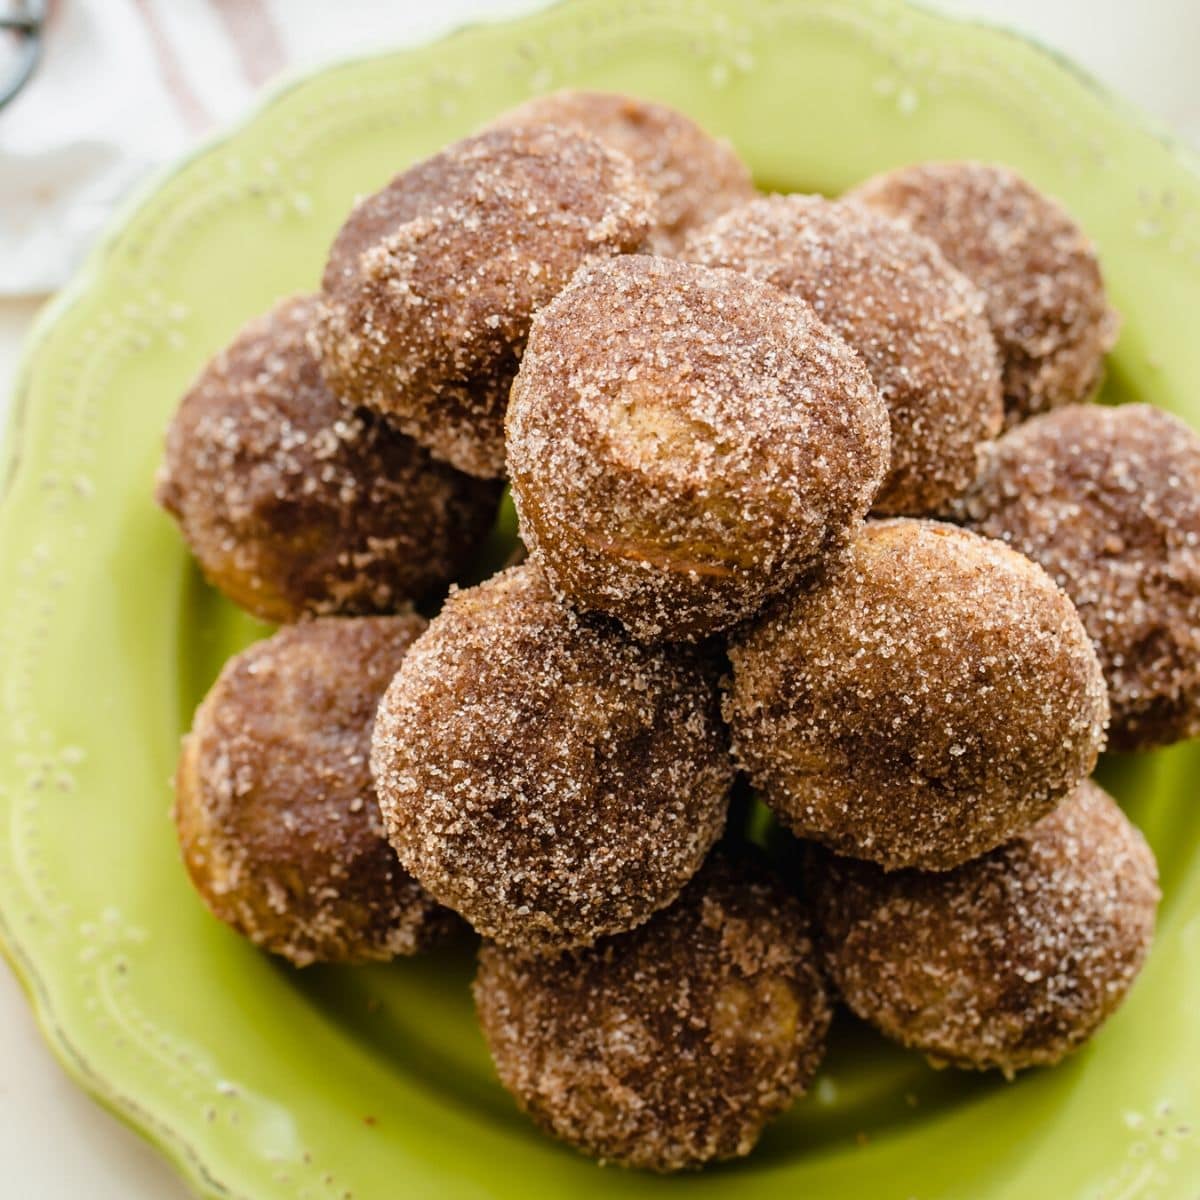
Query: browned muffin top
[1108,501]
[1009,961]
[1039,272]
[431,283]
[917,323]
[684,442]
[277,816]
[544,776]
[671,1046]
[932,695]
[693,175]
[295,505]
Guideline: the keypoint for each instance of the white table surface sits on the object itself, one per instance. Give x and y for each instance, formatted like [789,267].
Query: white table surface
[55,1144]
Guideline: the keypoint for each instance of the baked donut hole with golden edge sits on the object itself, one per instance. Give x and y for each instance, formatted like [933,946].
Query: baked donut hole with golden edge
[671,1046]
[432,281]
[685,442]
[543,775]
[276,812]
[1108,501]
[693,175]
[917,323]
[297,506]
[1010,961]
[1037,269]
[930,696]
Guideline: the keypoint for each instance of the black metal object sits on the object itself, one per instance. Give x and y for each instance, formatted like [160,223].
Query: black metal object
[26,23]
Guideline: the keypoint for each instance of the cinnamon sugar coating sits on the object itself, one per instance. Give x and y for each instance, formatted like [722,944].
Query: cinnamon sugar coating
[685,442]
[431,283]
[928,698]
[671,1046]
[1036,267]
[544,776]
[917,323]
[1108,501]
[276,812]
[295,505]
[694,176]
[1010,961]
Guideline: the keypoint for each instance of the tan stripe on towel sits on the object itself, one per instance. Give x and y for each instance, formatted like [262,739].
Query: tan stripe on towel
[254,37]
[190,107]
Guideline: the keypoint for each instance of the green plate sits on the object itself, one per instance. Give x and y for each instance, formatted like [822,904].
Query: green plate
[261,1082]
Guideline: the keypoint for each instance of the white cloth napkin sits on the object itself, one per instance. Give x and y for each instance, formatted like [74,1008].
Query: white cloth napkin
[126,85]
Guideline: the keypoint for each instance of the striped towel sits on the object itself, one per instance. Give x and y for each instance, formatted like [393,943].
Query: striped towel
[125,85]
